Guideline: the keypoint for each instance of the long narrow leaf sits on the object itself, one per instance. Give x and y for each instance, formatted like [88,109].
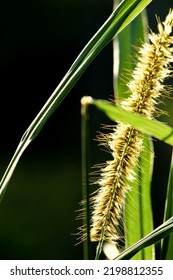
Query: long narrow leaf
[138,210]
[152,127]
[120,18]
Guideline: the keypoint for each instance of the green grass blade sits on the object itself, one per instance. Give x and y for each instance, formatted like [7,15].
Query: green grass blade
[121,60]
[137,207]
[145,173]
[138,211]
[167,244]
[117,21]
[152,127]
[155,236]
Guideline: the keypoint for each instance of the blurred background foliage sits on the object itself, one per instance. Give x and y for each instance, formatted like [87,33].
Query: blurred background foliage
[39,42]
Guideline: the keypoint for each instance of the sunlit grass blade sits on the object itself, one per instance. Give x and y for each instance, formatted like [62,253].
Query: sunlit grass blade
[167,243]
[153,237]
[121,59]
[117,21]
[137,207]
[138,211]
[152,127]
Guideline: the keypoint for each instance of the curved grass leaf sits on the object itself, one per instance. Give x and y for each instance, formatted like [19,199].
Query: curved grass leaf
[155,236]
[117,21]
[152,127]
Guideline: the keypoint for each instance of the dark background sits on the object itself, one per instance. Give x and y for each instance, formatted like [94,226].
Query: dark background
[39,40]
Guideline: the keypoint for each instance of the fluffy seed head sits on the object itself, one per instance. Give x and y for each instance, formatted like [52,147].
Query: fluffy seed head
[125,142]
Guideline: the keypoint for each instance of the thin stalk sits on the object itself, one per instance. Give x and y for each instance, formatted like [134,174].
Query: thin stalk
[85,180]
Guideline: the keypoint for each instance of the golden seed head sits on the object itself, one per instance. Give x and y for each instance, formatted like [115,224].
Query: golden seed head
[125,142]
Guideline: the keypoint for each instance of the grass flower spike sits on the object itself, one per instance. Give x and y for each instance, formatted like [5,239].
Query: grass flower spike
[125,142]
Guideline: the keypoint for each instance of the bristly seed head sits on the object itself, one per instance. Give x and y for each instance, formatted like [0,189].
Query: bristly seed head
[125,142]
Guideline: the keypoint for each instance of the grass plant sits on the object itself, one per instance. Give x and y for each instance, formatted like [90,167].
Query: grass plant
[136,126]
